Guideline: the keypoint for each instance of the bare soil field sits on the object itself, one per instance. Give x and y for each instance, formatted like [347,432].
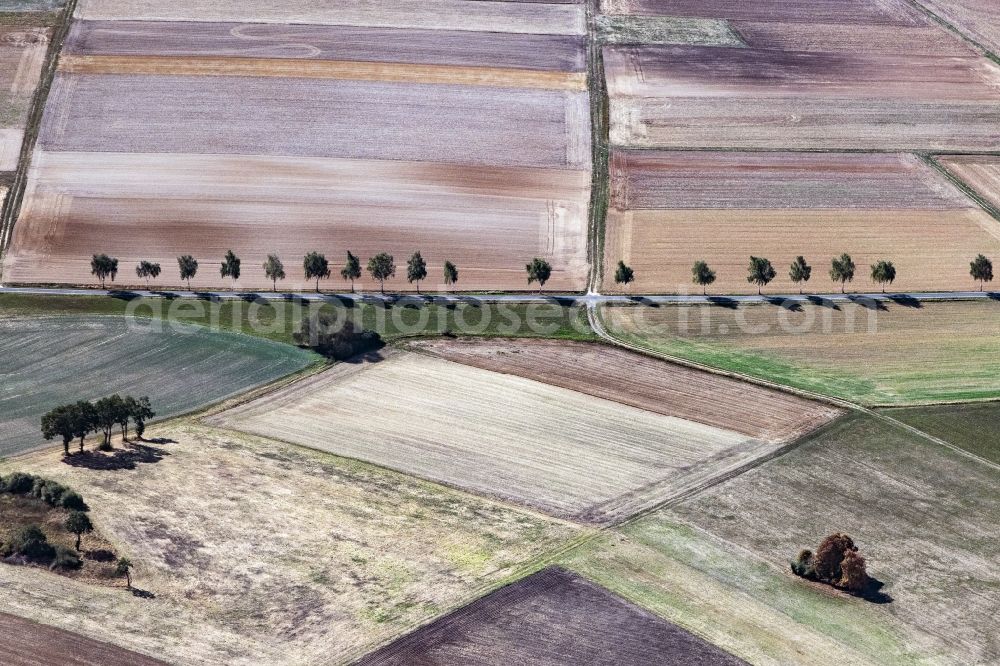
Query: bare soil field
[26,643]
[641,381]
[488,221]
[324,69]
[479,16]
[893,12]
[902,354]
[923,515]
[931,250]
[49,361]
[267,553]
[347,43]
[729,99]
[568,454]
[670,209]
[552,617]
[977,19]
[373,120]
[683,180]
[981,172]
[22,56]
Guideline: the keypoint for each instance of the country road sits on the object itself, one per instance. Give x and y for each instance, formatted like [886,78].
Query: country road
[563,298]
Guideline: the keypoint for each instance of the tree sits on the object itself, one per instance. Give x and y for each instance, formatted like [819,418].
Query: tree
[381,267]
[760,272]
[702,275]
[854,572]
[141,411]
[188,266]
[883,273]
[351,270]
[230,267]
[59,422]
[800,271]
[79,524]
[123,567]
[84,420]
[981,269]
[315,267]
[147,269]
[335,339]
[416,269]
[450,273]
[842,270]
[104,267]
[108,412]
[30,542]
[624,274]
[803,564]
[539,271]
[274,270]
[830,554]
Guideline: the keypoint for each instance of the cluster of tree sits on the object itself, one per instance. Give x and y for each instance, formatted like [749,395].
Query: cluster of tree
[315,266]
[52,493]
[761,272]
[30,544]
[836,562]
[336,340]
[77,420]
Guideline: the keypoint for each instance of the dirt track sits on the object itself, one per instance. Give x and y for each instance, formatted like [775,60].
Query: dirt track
[27,643]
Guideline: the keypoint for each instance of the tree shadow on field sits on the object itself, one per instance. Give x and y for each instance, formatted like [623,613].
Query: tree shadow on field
[785,303]
[906,301]
[142,594]
[370,356]
[99,555]
[117,459]
[823,302]
[158,440]
[868,303]
[874,593]
[167,295]
[123,294]
[724,302]
[993,295]
[644,301]
[207,296]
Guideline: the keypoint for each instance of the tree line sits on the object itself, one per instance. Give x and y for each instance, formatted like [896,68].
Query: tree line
[79,419]
[761,272]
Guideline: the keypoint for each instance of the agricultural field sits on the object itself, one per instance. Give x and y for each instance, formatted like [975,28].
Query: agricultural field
[548,447]
[980,172]
[50,361]
[25,643]
[628,378]
[669,209]
[891,354]
[458,129]
[552,617]
[796,85]
[923,515]
[978,20]
[971,426]
[267,552]
[24,43]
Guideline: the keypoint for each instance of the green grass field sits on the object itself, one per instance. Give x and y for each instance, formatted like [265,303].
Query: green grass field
[49,361]
[279,320]
[899,355]
[974,427]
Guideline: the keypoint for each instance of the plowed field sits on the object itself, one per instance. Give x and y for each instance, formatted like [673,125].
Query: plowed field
[977,19]
[26,643]
[22,56]
[632,379]
[981,172]
[565,453]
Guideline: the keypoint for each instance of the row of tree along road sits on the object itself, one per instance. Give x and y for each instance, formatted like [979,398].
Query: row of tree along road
[79,419]
[761,272]
[315,266]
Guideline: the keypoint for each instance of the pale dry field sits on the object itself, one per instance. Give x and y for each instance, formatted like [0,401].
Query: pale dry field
[480,16]
[488,221]
[670,209]
[615,374]
[897,355]
[930,249]
[981,172]
[22,56]
[263,552]
[924,516]
[320,42]
[978,19]
[565,453]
